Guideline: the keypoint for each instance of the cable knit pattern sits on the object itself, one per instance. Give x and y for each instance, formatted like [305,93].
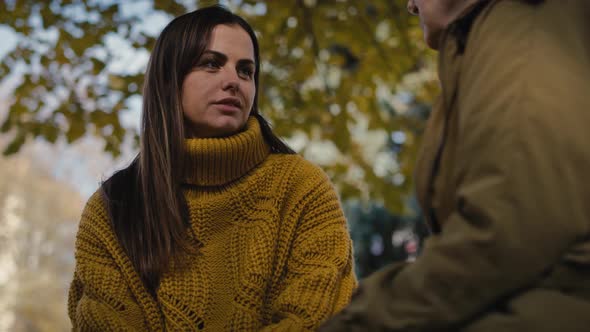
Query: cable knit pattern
[275,254]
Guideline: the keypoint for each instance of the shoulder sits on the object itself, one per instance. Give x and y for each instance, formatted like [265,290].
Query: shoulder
[301,179]
[107,199]
[94,227]
[532,42]
[95,217]
[95,208]
[525,56]
[509,22]
[499,43]
[299,168]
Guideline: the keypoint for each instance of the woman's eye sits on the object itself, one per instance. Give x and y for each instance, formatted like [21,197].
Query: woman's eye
[210,64]
[246,72]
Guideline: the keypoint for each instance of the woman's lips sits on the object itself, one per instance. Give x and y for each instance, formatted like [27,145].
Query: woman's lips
[229,104]
[227,107]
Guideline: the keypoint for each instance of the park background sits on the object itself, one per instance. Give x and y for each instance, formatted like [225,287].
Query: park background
[348,84]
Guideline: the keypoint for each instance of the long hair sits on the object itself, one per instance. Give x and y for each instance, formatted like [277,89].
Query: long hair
[145,200]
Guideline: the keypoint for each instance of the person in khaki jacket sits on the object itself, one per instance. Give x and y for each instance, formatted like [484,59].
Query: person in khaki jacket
[503,176]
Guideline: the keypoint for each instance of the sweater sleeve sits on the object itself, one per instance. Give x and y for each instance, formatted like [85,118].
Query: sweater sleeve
[319,278]
[99,298]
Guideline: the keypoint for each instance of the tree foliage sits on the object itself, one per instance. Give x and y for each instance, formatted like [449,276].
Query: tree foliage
[345,74]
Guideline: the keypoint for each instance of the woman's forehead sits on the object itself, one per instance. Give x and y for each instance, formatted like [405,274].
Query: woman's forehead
[231,40]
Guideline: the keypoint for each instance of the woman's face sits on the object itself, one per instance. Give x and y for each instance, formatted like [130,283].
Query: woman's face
[218,93]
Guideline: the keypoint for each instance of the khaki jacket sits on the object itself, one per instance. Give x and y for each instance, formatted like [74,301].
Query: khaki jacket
[504,178]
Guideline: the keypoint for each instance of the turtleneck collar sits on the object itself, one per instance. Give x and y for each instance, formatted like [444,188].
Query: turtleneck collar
[217,161]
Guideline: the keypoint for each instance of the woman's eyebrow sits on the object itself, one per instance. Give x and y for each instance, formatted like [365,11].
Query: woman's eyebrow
[223,57]
[246,62]
[216,54]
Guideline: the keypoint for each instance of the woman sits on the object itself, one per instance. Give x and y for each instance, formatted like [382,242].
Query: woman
[217,224]
[502,177]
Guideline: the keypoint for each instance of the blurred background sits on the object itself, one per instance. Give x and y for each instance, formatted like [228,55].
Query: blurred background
[348,84]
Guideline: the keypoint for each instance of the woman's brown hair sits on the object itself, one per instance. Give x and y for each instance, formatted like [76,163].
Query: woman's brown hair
[145,201]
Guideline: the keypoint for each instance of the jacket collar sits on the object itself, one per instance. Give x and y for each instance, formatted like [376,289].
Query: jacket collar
[461,26]
[452,47]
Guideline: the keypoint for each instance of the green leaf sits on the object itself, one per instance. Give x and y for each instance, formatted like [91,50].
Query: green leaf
[15,145]
[75,131]
[50,132]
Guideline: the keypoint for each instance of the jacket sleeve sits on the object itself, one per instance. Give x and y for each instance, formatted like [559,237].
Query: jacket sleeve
[519,207]
[320,279]
[99,298]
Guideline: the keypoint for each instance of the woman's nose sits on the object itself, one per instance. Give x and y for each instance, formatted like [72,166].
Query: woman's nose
[231,80]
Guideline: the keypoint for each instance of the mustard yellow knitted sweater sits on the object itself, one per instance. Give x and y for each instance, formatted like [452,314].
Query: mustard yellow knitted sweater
[275,255]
